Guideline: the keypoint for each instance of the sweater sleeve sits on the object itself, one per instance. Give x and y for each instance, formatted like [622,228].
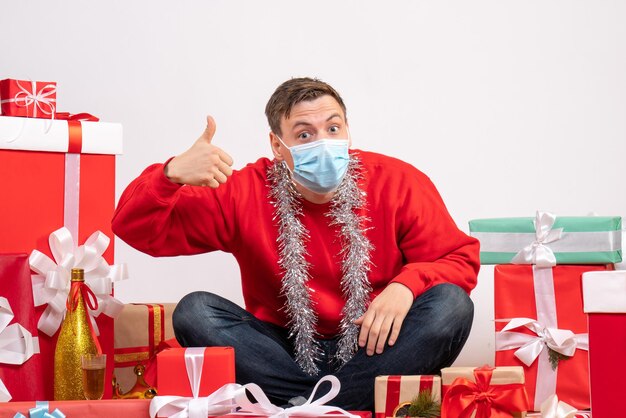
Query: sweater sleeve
[162,218]
[434,249]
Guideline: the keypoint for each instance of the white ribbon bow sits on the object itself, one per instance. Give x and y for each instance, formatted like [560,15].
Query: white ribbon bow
[537,252]
[41,100]
[16,343]
[311,408]
[553,408]
[530,346]
[219,402]
[232,396]
[52,283]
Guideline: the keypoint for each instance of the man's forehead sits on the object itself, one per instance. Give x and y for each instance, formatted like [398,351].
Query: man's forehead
[321,109]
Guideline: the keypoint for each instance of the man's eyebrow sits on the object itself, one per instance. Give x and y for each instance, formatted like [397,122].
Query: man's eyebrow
[305,123]
[300,123]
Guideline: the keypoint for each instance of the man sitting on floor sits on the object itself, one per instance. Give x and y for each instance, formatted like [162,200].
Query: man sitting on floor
[350,263]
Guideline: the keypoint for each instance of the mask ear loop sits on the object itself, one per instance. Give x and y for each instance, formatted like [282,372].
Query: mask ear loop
[285,162]
[281,141]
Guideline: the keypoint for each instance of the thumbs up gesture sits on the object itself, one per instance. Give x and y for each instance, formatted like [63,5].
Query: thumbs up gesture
[203,164]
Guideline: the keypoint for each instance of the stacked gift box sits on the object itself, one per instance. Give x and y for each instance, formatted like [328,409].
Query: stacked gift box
[58,188]
[540,323]
[141,331]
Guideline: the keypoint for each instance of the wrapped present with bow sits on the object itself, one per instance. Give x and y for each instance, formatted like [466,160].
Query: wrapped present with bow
[540,326]
[57,173]
[232,398]
[548,240]
[20,365]
[393,392]
[141,331]
[483,392]
[604,295]
[31,99]
[213,367]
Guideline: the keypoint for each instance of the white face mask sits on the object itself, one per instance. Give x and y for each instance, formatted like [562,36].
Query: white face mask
[320,165]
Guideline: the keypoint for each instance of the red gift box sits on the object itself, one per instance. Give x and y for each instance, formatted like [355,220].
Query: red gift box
[44,190]
[217,369]
[538,306]
[14,268]
[33,99]
[392,391]
[135,408]
[605,302]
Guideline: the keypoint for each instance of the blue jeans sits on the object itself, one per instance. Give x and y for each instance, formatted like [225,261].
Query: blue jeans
[432,335]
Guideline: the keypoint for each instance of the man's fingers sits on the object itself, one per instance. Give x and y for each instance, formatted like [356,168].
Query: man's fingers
[374,335]
[213,183]
[208,133]
[224,156]
[383,334]
[220,177]
[366,323]
[395,331]
[224,168]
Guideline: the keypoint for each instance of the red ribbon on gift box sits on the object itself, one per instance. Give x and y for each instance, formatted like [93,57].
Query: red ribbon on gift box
[75,129]
[489,401]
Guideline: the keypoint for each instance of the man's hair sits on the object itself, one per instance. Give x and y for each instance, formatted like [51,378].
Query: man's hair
[292,92]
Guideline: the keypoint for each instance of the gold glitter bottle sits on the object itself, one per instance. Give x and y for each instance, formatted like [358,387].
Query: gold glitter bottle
[77,337]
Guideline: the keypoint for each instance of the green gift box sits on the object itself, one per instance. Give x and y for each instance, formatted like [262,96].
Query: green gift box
[548,240]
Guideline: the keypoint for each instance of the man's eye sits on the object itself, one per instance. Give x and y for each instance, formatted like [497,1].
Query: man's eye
[304,135]
[334,129]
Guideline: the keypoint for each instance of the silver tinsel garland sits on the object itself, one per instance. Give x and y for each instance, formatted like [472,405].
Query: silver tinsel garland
[346,212]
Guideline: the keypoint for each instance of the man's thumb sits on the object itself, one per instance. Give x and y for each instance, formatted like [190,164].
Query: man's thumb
[208,133]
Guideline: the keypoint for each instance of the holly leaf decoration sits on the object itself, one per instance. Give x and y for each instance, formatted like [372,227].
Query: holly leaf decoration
[555,357]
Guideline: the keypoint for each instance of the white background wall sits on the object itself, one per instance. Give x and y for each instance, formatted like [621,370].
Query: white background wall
[508,106]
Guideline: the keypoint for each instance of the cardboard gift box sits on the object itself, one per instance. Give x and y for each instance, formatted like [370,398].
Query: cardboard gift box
[20,376]
[547,240]
[135,408]
[141,331]
[392,391]
[604,296]
[539,311]
[33,99]
[465,390]
[45,187]
[214,367]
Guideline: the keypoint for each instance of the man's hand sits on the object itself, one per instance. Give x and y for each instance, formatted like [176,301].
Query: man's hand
[203,164]
[386,313]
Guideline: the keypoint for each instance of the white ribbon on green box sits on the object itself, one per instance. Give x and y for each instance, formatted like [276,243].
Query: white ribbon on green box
[548,240]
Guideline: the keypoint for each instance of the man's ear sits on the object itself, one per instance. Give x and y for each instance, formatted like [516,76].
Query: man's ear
[277,147]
